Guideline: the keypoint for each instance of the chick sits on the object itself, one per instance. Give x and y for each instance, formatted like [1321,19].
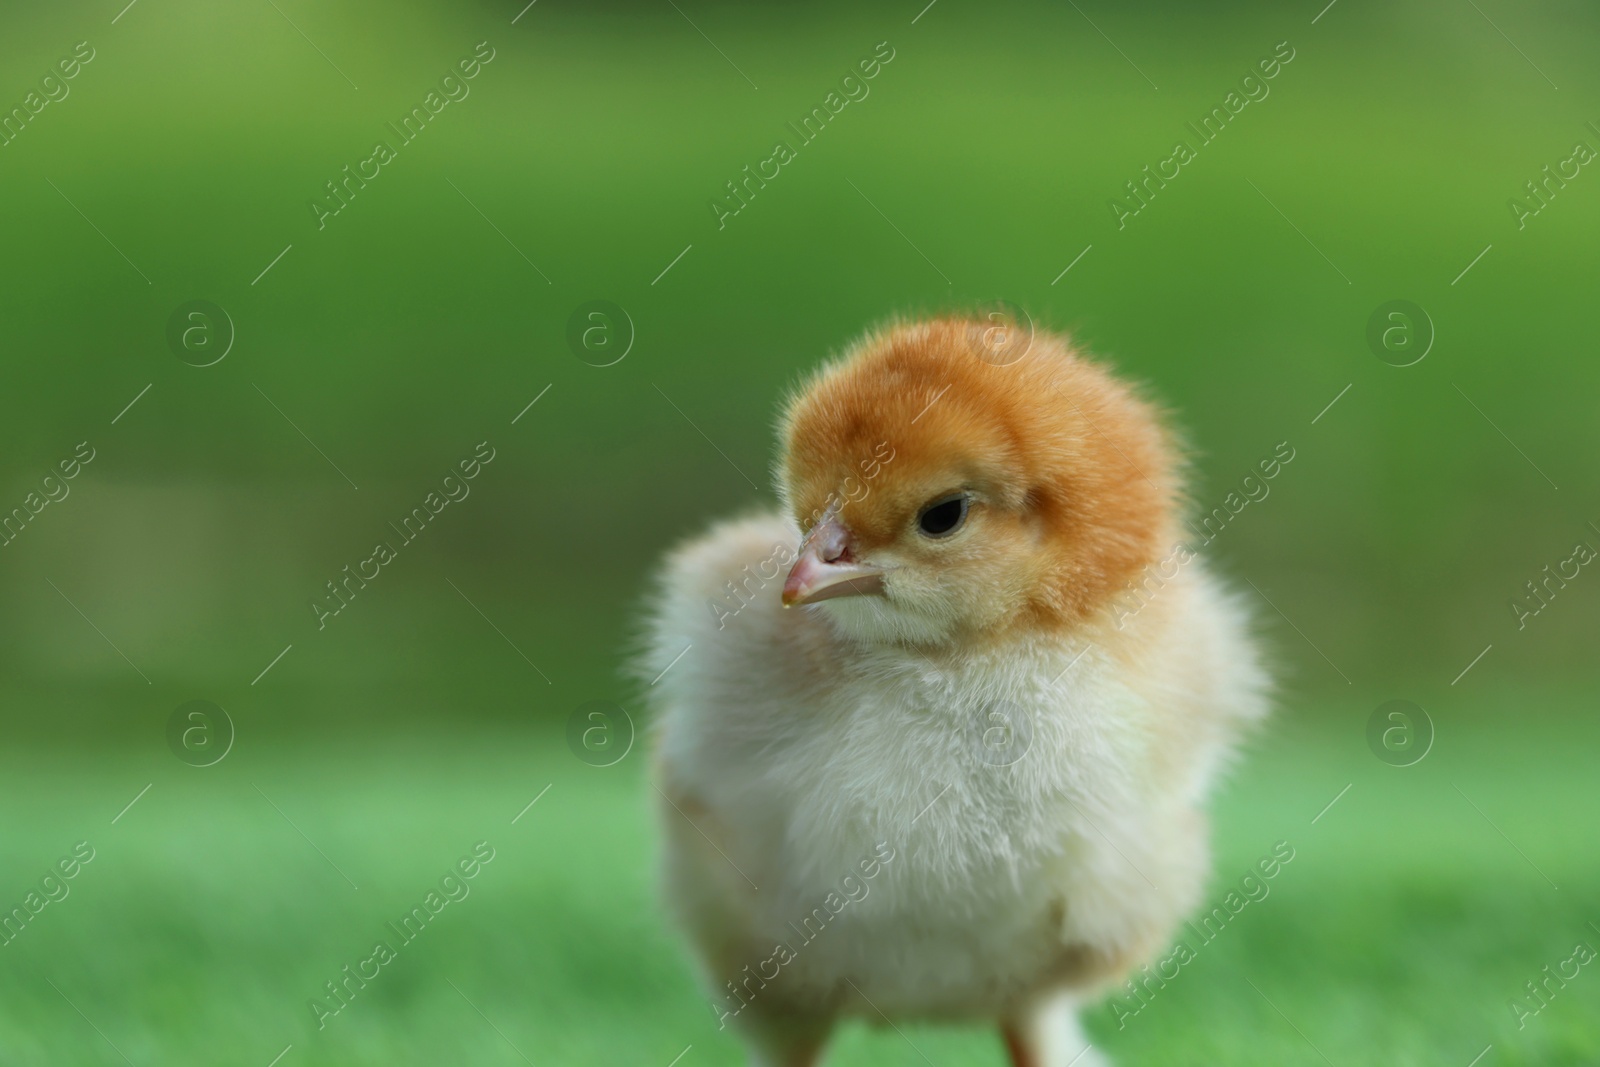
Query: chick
[935,738]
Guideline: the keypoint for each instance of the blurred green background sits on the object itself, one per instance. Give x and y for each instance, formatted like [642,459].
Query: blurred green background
[425,317]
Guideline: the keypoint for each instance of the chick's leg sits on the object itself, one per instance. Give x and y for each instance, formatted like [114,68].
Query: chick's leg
[1046,1034]
[1018,1047]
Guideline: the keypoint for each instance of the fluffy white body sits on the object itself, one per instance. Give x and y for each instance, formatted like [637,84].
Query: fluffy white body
[1038,800]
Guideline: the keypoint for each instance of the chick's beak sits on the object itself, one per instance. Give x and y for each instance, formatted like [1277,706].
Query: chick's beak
[825,570]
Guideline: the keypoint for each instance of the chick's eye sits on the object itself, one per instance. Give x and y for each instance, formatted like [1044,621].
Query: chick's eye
[943,516]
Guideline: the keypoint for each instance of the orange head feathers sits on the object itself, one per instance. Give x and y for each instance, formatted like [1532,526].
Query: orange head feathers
[949,489]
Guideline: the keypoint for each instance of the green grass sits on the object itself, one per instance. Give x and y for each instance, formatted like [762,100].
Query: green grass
[410,329]
[206,922]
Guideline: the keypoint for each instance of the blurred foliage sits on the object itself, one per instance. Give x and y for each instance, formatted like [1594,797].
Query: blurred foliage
[412,326]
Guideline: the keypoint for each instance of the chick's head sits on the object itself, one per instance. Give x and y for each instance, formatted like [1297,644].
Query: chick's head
[947,495]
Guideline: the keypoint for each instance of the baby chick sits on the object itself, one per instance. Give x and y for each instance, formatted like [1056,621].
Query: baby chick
[951,764]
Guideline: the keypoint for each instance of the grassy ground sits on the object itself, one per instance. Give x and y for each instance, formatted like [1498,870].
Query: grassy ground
[430,313]
[206,922]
